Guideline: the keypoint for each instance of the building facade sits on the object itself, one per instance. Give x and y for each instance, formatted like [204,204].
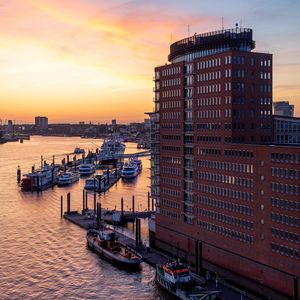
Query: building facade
[41,122]
[283,108]
[286,130]
[228,199]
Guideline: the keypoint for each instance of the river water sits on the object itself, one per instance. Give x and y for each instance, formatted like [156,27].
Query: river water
[45,257]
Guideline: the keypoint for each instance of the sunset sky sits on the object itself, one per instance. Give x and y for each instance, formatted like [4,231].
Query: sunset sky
[93,60]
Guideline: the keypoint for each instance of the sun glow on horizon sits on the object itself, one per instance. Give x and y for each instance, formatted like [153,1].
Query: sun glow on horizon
[89,60]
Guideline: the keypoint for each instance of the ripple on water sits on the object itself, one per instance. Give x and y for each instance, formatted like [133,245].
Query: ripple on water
[44,257]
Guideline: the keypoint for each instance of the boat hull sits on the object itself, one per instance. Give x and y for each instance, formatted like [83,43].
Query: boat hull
[122,262]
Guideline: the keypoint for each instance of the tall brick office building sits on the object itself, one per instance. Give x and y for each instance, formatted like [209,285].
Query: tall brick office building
[227,199]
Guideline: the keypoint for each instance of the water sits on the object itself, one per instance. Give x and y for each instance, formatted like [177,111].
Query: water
[45,257]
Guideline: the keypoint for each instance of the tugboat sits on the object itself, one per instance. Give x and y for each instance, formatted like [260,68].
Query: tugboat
[175,277]
[106,244]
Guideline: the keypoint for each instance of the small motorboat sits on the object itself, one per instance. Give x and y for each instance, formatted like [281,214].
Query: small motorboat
[67,178]
[86,169]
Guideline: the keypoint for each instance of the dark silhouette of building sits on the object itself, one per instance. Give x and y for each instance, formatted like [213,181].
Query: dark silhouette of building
[283,108]
[41,122]
[227,199]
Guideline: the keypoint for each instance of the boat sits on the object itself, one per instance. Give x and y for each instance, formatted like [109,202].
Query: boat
[139,163]
[41,179]
[175,277]
[106,244]
[86,169]
[67,178]
[130,170]
[110,151]
[78,150]
[97,182]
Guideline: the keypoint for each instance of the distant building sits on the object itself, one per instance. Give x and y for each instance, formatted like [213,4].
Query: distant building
[283,108]
[114,122]
[41,122]
[81,123]
[286,130]
[10,126]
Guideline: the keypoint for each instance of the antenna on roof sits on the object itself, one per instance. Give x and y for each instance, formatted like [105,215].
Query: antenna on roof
[222,23]
[236,26]
[188,30]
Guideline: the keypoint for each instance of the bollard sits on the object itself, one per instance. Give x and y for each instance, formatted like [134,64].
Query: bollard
[19,174]
[68,203]
[94,203]
[61,206]
[133,204]
[148,201]
[86,200]
[122,207]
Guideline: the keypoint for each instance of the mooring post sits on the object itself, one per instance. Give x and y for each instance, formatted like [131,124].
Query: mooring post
[295,294]
[19,174]
[53,160]
[152,204]
[42,161]
[98,212]
[136,232]
[107,176]
[61,206]
[86,200]
[68,202]
[148,201]
[133,203]
[122,207]
[99,184]
[94,202]
[94,184]
[68,158]
[83,199]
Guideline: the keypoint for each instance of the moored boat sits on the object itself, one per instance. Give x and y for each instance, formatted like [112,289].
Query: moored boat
[175,278]
[86,169]
[78,150]
[130,170]
[106,244]
[67,178]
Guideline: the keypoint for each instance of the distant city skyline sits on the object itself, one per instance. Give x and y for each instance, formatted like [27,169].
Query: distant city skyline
[86,60]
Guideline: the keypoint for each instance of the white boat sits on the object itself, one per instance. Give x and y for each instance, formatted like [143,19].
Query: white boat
[86,169]
[67,178]
[139,163]
[130,170]
[175,278]
[106,244]
[97,182]
[41,179]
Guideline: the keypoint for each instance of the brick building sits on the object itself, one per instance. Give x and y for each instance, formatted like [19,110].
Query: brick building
[227,199]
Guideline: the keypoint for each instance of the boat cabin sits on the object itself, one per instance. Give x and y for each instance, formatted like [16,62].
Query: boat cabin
[107,235]
[176,272]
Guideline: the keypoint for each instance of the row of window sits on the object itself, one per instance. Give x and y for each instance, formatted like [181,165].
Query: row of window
[170,214]
[170,71]
[265,75]
[209,76]
[171,104]
[231,220]
[285,204]
[227,166]
[230,206]
[171,192]
[285,219]
[285,235]
[212,88]
[265,88]
[238,154]
[170,126]
[171,137]
[170,181]
[170,203]
[171,93]
[209,126]
[225,192]
[227,179]
[285,157]
[209,151]
[171,171]
[285,173]
[237,235]
[209,101]
[173,115]
[171,160]
[210,139]
[285,188]
[211,113]
[265,101]
[284,250]
[210,63]
[170,148]
[170,82]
